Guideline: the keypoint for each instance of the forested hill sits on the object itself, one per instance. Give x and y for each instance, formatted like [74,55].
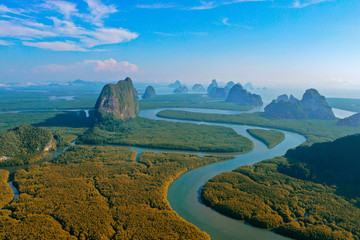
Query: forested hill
[24,144]
[336,162]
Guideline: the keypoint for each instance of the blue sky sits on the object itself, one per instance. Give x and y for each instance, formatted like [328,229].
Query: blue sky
[290,43]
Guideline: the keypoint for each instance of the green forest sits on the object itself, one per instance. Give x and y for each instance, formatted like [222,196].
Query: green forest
[314,130]
[270,138]
[100,192]
[148,133]
[311,193]
[190,101]
[25,144]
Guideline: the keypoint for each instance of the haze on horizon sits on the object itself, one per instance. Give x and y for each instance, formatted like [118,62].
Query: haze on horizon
[287,43]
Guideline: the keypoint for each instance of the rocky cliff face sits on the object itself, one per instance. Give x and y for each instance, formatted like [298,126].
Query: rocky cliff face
[149,92]
[352,121]
[311,106]
[212,85]
[118,101]
[240,96]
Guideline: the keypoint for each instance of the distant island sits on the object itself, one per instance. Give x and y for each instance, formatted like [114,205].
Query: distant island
[198,87]
[352,121]
[149,93]
[311,106]
[240,96]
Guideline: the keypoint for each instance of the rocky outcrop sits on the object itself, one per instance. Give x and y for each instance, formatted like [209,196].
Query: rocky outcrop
[212,85]
[118,101]
[149,93]
[311,106]
[183,89]
[283,97]
[176,84]
[25,143]
[198,88]
[240,96]
[248,86]
[352,121]
[217,92]
[229,85]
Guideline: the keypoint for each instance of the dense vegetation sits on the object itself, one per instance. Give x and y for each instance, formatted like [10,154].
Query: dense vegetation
[6,194]
[190,101]
[313,193]
[17,100]
[100,193]
[313,130]
[148,133]
[270,137]
[25,144]
[349,104]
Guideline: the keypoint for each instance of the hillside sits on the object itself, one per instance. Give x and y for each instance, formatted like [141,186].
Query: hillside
[311,193]
[25,144]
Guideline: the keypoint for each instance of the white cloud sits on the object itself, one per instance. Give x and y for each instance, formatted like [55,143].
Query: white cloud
[5,43]
[99,11]
[56,46]
[111,65]
[156,6]
[102,70]
[12,29]
[5,9]
[166,34]
[103,36]
[64,34]
[306,3]
[204,5]
[225,21]
[63,7]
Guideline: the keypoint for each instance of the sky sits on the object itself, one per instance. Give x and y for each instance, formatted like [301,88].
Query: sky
[284,43]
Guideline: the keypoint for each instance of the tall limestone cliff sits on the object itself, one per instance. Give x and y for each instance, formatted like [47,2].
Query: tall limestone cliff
[149,92]
[118,101]
[240,96]
[311,106]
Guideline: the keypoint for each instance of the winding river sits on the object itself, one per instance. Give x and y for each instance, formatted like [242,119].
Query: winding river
[184,193]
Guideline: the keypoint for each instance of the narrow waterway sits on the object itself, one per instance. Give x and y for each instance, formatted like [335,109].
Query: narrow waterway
[184,193]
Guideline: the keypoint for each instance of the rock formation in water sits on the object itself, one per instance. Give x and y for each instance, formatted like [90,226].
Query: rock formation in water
[240,96]
[229,85]
[248,86]
[212,85]
[149,93]
[176,84]
[352,121]
[311,106]
[198,87]
[118,101]
[182,89]
[217,92]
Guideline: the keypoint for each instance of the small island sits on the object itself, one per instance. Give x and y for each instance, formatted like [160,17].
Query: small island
[270,138]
